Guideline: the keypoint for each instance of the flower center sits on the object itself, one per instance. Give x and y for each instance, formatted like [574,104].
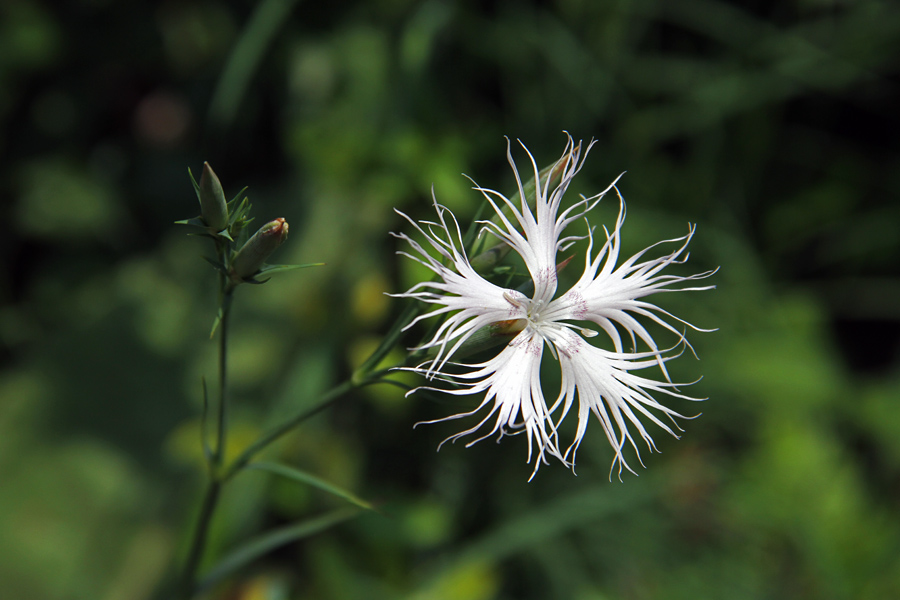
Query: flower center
[533,312]
[534,317]
[533,309]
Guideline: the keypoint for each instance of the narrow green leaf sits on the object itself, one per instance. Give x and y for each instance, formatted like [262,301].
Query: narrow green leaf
[310,479]
[268,269]
[196,222]
[219,266]
[471,236]
[242,210]
[521,533]
[548,521]
[236,196]
[215,325]
[247,54]
[223,308]
[267,542]
[194,181]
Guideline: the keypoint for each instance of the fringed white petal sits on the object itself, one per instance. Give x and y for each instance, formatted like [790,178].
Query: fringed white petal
[511,384]
[611,295]
[607,387]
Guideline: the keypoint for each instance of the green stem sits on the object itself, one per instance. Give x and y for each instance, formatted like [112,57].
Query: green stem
[218,477]
[330,397]
[259,445]
[198,543]
[214,484]
[362,374]
[222,430]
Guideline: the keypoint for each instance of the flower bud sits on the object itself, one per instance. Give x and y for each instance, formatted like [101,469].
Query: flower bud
[250,258]
[212,201]
[489,336]
[487,260]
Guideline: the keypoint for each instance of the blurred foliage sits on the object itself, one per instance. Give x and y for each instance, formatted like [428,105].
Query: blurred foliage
[771,124]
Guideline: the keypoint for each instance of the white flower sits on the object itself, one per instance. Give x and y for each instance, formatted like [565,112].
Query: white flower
[612,297]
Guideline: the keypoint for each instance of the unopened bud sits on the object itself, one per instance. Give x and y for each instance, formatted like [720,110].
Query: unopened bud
[487,260]
[252,255]
[212,201]
[489,336]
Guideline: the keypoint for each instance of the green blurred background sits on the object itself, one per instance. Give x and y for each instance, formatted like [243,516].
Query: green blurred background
[773,125]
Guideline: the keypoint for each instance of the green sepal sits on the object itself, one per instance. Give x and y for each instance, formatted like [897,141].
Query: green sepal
[310,479]
[267,542]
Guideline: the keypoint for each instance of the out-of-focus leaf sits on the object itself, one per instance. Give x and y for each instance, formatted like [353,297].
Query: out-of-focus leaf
[272,540]
[268,17]
[310,479]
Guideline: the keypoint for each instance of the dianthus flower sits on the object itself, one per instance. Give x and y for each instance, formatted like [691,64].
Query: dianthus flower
[606,382]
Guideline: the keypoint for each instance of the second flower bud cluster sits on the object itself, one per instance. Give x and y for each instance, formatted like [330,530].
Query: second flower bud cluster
[239,258]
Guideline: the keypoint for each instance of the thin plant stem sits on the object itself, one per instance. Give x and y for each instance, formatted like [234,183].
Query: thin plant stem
[387,344]
[214,484]
[262,443]
[198,542]
[327,400]
[222,429]
[218,475]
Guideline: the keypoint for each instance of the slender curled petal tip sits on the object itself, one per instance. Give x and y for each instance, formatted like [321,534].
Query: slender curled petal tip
[602,381]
